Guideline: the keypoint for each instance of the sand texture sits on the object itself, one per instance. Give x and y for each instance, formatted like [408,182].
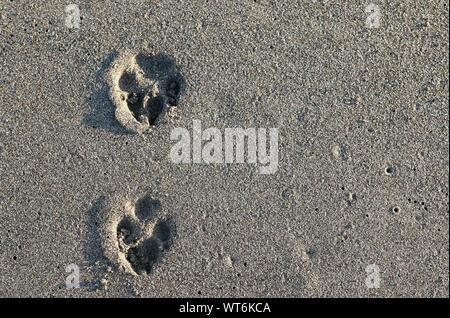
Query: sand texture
[358,93]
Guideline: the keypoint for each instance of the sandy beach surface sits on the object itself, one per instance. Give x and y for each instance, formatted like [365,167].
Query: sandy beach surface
[91,92]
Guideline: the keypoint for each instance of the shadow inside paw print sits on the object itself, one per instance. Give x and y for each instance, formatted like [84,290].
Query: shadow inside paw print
[173,91]
[146,208]
[145,255]
[144,237]
[142,86]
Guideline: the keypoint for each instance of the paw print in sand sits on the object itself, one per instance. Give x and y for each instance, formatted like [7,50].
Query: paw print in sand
[136,235]
[142,87]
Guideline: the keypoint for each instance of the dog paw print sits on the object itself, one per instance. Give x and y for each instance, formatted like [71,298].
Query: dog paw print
[138,235]
[142,87]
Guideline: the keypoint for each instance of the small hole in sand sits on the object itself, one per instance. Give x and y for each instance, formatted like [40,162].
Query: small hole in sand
[396,210]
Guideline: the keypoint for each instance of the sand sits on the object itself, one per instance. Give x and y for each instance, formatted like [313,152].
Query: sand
[358,205]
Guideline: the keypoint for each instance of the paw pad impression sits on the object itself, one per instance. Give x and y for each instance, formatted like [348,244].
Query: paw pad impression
[135,234]
[142,87]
